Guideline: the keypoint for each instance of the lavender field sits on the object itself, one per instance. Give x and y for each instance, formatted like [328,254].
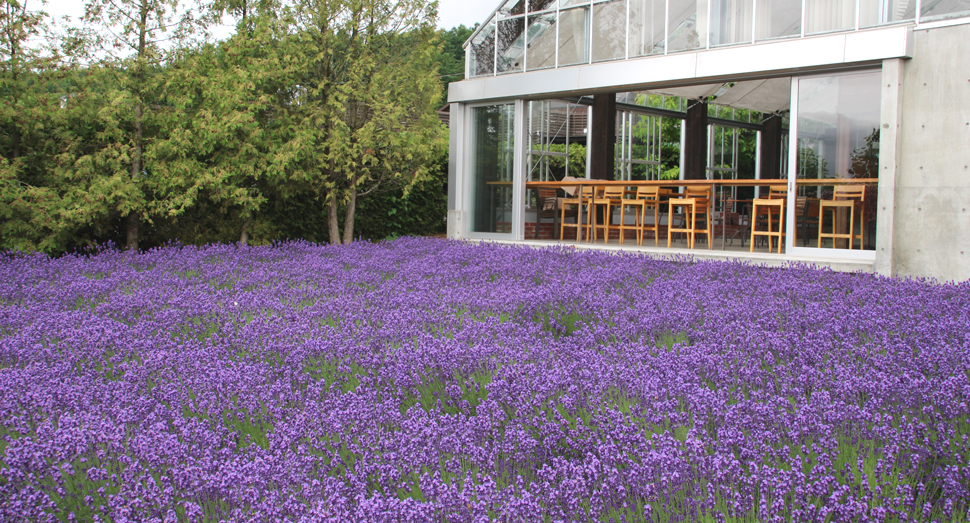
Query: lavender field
[429,380]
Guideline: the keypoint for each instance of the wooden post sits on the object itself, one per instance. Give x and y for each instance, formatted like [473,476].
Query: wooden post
[695,141]
[602,137]
[771,147]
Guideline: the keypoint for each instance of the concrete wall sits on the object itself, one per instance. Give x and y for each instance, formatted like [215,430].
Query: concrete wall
[931,229]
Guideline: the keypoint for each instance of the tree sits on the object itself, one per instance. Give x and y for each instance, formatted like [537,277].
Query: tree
[229,112]
[132,36]
[30,124]
[364,103]
[451,58]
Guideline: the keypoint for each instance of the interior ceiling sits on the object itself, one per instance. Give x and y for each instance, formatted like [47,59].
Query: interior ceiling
[766,96]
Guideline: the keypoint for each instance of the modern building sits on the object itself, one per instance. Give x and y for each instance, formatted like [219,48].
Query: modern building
[797,91]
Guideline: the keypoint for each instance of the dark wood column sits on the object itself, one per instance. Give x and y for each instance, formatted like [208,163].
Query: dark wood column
[771,148]
[602,137]
[695,141]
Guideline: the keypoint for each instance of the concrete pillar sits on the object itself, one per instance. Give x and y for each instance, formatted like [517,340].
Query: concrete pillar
[602,137]
[770,152]
[456,173]
[695,143]
[889,159]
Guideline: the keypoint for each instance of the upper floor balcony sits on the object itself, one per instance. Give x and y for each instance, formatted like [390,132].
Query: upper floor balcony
[532,35]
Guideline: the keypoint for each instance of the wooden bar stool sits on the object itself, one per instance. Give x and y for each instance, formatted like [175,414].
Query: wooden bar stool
[645,197]
[570,207]
[848,197]
[769,207]
[608,198]
[703,206]
[689,206]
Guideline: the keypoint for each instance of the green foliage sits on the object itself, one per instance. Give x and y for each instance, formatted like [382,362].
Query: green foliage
[451,57]
[557,164]
[287,129]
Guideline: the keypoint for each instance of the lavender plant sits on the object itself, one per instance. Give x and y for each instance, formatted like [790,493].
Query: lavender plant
[430,380]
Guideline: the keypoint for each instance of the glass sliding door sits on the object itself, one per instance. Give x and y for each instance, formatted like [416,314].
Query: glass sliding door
[877,12]
[609,31]
[778,19]
[557,141]
[492,166]
[822,16]
[686,25]
[574,36]
[639,142]
[647,31]
[731,21]
[836,157]
[938,9]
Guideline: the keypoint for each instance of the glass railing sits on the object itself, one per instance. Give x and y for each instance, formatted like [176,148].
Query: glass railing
[529,35]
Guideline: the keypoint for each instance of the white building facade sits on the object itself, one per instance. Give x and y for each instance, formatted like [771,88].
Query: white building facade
[796,90]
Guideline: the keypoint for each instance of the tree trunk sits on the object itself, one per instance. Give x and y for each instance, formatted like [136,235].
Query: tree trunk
[332,219]
[16,138]
[132,229]
[349,217]
[132,239]
[244,235]
[136,166]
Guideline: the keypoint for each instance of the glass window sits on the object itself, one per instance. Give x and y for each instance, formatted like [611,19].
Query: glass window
[512,8]
[556,140]
[687,27]
[573,28]
[731,22]
[778,19]
[944,9]
[829,15]
[493,159]
[541,5]
[639,141]
[571,3]
[511,45]
[483,51]
[838,138]
[876,12]
[541,48]
[646,27]
[609,30]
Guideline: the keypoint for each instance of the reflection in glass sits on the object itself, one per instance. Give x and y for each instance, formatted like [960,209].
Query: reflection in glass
[541,50]
[512,8]
[935,9]
[573,28]
[570,3]
[511,45]
[556,140]
[541,5]
[483,51]
[609,30]
[731,21]
[838,137]
[646,27]
[876,12]
[778,19]
[639,141]
[492,164]
[829,15]
[687,27]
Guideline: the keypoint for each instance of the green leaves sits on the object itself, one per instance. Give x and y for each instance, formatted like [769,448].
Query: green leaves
[320,101]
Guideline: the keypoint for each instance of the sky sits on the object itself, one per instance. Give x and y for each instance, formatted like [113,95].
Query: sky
[451,13]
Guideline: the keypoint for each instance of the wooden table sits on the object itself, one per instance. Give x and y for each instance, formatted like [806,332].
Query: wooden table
[581,182]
